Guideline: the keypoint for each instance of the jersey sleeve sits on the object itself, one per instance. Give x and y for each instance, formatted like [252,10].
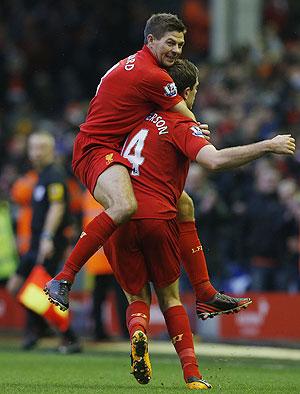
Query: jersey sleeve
[56,189]
[158,87]
[56,192]
[189,138]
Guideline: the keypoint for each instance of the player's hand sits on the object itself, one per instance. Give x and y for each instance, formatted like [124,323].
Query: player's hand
[283,144]
[205,130]
[46,250]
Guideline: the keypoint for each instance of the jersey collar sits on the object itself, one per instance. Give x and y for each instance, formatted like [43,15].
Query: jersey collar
[150,55]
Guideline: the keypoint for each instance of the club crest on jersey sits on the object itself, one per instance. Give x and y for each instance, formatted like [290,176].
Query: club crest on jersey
[109,158]
[197,132]
[170,90]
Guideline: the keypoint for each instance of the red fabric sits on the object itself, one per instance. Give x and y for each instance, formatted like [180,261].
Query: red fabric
[90,159]
[194,262]
[127,93]
[92,238]
[97,264]
[160,150]
[144,250]
[137,317]
[180,333]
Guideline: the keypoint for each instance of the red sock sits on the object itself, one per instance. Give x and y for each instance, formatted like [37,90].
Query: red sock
[92,238]
[137,317]
[194,262]
[180,333]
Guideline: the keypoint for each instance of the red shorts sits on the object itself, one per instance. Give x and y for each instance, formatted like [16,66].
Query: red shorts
[143,251]
[90,159]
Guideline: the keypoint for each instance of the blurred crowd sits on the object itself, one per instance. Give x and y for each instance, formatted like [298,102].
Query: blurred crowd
[52,56]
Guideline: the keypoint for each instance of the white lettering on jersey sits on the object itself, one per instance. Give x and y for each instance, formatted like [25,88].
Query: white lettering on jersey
[159,122]
[130,62]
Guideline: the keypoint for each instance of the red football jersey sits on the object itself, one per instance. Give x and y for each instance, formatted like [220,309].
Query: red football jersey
[129,91]
[160,151]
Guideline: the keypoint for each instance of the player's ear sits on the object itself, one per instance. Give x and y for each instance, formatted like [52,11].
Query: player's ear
[186,92]
[150,39]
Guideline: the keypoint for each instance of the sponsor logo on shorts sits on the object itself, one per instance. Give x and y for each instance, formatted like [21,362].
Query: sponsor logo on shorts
[197,132]
[177,338]
[170,90]
[109,158]
[197,249]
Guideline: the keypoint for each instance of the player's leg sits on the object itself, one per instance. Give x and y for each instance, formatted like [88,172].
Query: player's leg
[209,302]
[162,256]
[137,319]
[114,191]
[193,258]
[181,335]
[138,310]
[127,261]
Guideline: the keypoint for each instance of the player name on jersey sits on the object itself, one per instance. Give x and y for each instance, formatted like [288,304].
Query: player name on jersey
[159,122]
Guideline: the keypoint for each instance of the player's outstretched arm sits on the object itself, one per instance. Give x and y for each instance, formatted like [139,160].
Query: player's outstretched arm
[183,109]
[213,159]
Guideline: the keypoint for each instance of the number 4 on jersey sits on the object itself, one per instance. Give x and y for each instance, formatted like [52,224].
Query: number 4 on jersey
[133,151]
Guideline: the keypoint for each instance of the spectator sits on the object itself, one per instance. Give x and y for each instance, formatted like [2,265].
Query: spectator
[264,229]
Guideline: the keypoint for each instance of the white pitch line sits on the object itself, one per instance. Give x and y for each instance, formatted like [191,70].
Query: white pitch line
[248,351]
[213,349]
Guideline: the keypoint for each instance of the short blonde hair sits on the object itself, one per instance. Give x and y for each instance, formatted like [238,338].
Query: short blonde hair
[46,134]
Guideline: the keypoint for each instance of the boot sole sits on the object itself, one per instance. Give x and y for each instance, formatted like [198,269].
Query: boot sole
[141,368]
[210,315]
[54,301]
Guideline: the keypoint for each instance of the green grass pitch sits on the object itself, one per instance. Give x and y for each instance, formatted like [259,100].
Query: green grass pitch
[96,371]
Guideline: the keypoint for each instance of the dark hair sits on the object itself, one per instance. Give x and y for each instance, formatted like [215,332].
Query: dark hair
[184,73]
[159,24]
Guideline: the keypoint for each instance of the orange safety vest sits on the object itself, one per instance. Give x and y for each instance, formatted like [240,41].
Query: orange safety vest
[75,195]
[21,193]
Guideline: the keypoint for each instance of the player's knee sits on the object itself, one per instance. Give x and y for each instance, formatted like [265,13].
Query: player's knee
[143,297]
[126,209]
[131,207]
[185,208]
[169,302]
